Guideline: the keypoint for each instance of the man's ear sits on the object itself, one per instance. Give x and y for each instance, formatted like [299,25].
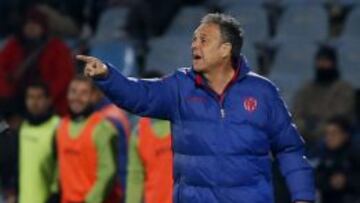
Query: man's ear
[226,49]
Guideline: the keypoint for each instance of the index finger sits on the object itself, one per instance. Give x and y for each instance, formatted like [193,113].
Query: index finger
[85,58]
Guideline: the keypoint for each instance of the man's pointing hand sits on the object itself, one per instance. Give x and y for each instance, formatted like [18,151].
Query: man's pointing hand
[94,67]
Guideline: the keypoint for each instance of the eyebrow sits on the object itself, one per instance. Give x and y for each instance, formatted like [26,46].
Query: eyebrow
[203,35]
[200,35]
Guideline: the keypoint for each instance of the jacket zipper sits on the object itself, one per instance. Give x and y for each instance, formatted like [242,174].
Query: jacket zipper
[221,102]
[222,111]
[219,99]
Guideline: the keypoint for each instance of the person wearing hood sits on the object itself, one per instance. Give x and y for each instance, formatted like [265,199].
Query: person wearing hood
[87,150]
[33,55]
[37,162]
[326,96]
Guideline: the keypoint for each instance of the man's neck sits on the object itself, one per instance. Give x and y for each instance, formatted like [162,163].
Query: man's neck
[40,118]
[219,77]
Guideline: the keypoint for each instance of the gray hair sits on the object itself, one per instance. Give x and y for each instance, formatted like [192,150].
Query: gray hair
[230,29]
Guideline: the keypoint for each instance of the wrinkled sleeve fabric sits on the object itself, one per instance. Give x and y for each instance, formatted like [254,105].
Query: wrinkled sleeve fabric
[288,148]
[151,98]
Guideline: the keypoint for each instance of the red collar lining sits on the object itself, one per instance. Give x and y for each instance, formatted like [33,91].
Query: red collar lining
[199,81]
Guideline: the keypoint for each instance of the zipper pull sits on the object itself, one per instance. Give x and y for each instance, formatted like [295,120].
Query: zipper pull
[222,112]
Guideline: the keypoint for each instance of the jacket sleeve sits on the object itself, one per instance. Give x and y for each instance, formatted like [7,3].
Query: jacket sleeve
[288,148]
[150,98]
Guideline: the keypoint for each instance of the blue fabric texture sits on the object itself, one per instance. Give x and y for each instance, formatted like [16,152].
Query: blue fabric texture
[222,143]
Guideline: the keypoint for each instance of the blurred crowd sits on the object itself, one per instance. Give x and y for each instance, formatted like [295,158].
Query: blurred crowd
[62,140]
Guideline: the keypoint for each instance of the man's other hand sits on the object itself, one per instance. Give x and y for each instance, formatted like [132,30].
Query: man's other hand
[94,67]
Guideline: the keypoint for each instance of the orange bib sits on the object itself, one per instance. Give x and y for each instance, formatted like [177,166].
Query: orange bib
[78,160]
[118,114]
[156,154]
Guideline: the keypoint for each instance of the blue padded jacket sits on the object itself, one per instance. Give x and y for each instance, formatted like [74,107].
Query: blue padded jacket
[222,144]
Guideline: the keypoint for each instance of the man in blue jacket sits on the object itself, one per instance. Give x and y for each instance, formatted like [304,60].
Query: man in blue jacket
[225,120]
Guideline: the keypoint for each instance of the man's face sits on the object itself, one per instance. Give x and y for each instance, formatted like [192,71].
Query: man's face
[33,30]
[36,101]
[207,50]
[335,138]
[324,64]
[79,96]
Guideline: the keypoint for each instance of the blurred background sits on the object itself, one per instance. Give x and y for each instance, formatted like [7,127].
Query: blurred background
[309,48]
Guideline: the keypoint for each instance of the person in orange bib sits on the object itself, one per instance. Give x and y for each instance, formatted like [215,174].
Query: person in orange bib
[86,146]
[119,118]
[150,171]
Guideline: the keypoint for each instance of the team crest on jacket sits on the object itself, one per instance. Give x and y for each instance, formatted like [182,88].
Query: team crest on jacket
[250,104]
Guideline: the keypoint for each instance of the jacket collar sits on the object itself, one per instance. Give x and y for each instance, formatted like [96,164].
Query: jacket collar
[241,70]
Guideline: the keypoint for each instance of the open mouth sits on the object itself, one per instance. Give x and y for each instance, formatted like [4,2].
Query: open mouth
[196,57]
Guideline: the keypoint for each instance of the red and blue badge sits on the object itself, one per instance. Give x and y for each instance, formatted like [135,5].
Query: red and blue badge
[250,104]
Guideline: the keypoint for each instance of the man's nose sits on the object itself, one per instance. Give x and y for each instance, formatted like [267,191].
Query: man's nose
[194,45]
[195,41]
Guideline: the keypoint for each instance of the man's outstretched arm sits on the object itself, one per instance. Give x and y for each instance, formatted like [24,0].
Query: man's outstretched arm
[152,98]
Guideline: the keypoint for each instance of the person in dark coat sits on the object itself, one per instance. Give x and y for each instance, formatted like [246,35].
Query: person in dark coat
[8,161]
[31,56]
[338,173]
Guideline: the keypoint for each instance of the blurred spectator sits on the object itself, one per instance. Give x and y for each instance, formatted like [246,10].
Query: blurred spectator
[324,97]
[65,16]
[86,144]
[150,163]
[8,162]
[37,157]
[338,174]
[150,160]
[32,56]
[58,23]
[120,120]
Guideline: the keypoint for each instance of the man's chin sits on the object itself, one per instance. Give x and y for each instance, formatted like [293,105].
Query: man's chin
[198,68]
[76,110]
[83,113]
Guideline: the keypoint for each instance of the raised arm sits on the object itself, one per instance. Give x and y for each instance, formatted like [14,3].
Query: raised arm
[152,98]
